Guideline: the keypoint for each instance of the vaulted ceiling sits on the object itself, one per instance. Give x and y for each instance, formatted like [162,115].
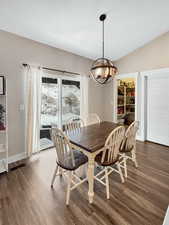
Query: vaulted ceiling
[73,25]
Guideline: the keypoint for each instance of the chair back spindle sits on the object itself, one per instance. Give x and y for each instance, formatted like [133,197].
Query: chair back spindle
[112,145]
[74,124]
[63,147]
[130,136]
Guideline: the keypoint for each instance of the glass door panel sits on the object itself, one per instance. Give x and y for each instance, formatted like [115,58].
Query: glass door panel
[49,109]
[70,100]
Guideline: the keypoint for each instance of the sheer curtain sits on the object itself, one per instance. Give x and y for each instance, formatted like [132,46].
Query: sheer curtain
[33,76]
[84,108]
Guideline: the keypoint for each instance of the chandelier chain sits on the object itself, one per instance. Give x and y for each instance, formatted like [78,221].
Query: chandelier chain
[103,39]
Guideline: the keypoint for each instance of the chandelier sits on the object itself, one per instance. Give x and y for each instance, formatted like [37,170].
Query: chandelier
[102,69]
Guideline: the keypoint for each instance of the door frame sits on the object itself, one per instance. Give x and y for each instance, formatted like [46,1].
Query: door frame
[123,76]
[143,116]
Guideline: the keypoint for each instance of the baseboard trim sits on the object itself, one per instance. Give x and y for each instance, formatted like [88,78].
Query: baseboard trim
[17,157]
[2,166]
[140,138]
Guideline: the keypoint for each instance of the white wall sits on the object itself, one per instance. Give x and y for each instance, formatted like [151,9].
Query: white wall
[96,103]
[14,51]
[154,55]
[108,101]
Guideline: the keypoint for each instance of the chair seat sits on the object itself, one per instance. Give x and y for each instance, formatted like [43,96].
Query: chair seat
[98,159]
[79,160]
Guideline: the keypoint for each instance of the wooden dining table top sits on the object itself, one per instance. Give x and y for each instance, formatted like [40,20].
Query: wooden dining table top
[92,138]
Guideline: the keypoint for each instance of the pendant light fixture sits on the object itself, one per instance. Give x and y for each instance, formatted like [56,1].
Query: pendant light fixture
[103,69]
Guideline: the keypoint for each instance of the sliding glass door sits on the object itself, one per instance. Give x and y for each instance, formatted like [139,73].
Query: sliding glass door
[60,101]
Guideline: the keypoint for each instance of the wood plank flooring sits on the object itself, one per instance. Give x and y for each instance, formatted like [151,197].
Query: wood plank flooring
[27,199]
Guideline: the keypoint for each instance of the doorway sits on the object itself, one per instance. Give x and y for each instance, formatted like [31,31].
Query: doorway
[125,98]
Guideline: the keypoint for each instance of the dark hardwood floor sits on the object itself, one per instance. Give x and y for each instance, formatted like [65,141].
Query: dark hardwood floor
[27,199]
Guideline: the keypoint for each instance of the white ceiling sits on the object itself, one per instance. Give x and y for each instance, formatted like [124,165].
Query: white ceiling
[73,25]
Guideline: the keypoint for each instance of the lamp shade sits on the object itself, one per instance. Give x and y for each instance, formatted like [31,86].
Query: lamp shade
[103,70]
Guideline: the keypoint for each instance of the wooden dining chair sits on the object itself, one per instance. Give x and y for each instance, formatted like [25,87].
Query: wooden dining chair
[68,159]
[128,148]
[109,159]
[92,118]
[74,124]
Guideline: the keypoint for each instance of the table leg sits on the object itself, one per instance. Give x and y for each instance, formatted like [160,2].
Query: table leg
[90,174]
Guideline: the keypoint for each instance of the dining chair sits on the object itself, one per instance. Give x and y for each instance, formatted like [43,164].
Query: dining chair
[128,148]
[109,158]
[68,159]
[92,118]
[74,124]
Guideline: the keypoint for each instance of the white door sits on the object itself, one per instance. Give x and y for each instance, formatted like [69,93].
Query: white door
[158,108]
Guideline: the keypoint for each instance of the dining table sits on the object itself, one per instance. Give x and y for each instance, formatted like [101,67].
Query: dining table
[91,140]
